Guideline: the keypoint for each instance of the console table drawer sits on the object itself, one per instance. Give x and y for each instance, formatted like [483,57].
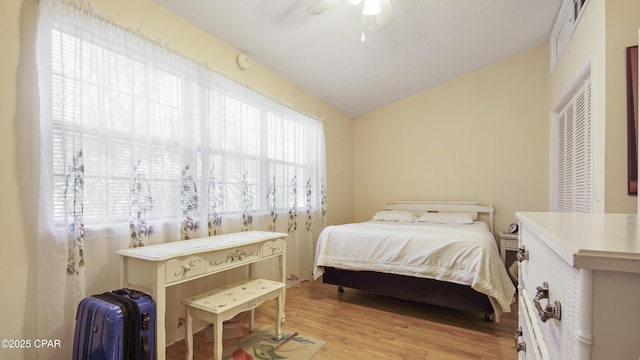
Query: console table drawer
[230,257]
[184,268]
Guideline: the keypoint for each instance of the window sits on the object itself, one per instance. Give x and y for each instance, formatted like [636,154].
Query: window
[140,134]
[572,164]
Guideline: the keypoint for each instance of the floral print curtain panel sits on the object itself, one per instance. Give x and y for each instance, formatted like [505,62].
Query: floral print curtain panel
[140,145]
[74,193]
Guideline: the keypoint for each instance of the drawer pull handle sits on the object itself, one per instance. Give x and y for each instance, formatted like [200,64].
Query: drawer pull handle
[184,270]
[550,311]
[522,254]
[520,345]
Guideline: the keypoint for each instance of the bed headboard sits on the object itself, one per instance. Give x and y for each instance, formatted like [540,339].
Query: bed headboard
[421,207]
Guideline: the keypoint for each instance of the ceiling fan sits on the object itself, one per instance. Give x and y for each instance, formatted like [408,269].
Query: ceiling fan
[381,10]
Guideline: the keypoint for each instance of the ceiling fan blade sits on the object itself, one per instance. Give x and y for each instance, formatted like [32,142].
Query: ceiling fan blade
[385,16]
[321,6]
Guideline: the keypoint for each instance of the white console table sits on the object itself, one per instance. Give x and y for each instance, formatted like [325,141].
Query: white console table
[155,267]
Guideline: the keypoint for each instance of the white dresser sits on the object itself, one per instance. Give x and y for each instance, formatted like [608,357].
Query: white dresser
[579,286]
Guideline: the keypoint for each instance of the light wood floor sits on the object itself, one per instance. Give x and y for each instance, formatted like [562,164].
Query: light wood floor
[359,325]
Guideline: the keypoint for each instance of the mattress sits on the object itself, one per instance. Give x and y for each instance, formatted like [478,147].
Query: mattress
[462,254]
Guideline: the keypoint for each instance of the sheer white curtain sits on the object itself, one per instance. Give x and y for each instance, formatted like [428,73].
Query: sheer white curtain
[140,145]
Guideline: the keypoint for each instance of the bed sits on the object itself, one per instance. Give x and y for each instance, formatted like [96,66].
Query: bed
[440,253]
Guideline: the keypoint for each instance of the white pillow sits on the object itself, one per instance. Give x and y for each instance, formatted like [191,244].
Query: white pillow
[394,215]
[446,218]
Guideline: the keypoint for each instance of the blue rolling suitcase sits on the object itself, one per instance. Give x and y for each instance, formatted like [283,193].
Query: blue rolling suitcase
[118,325]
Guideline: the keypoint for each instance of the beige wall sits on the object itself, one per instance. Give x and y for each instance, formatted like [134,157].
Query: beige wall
[482,137]
[495,147]
[622,20]
[18,19]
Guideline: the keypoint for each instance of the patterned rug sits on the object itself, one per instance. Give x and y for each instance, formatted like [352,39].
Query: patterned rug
[261,345]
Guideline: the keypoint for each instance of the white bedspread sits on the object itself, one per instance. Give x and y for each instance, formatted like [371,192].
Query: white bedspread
[463,254]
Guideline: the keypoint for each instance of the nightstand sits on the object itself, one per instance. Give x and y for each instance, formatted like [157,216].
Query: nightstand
[508,251]
[508,243]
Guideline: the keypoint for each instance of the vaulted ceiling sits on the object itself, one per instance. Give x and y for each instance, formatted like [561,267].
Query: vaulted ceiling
[427,43]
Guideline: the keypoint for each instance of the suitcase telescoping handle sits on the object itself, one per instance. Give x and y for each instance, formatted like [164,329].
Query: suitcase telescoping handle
[146,318]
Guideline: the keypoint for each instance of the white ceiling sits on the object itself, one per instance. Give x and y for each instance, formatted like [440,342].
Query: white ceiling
[428,42]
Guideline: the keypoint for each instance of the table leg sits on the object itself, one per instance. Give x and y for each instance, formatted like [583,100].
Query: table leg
[279,313]
[252,314]
[283,276]
[160,297]
[217,345]
[189,335]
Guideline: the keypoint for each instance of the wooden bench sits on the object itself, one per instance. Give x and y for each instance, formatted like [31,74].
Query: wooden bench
[221,304]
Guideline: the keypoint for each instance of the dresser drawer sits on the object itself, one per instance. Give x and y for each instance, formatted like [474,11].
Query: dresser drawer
[545,267]
[531,336]
[184,268]
[225,258]
[525,346]
[272,247]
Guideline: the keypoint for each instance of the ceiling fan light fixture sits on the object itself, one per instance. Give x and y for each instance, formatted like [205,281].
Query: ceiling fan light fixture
[371,7]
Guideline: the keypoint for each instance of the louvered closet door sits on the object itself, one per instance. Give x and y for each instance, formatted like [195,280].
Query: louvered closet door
[572,153]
